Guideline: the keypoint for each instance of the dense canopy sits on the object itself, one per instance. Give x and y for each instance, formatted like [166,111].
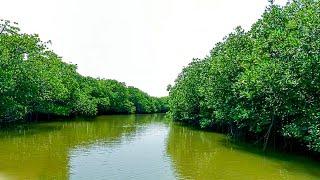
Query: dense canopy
[34,81]
[264,82]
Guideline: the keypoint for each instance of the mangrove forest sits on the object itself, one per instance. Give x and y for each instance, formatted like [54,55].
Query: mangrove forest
[262,84]
[249,109]
[35,82]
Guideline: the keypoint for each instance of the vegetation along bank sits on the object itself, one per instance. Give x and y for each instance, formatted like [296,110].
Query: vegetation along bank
[35,82]
[262,84]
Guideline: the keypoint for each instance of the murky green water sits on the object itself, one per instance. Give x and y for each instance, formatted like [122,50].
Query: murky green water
[137,147]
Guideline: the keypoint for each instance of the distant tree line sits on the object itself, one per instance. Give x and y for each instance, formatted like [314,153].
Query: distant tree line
[263,83]
[34,81]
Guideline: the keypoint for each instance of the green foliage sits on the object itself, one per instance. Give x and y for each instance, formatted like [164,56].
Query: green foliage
[264,81]
[35,81]
[146,104]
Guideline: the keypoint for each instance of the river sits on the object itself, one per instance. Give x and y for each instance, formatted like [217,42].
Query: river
[137,147]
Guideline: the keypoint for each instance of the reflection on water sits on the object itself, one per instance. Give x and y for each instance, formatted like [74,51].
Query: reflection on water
[207,155]
[136,147]
[140,157]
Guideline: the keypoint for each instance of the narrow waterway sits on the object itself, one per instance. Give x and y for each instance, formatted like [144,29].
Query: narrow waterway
[137,147]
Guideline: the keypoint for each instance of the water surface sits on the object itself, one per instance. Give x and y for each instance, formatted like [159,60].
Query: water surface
[137,147]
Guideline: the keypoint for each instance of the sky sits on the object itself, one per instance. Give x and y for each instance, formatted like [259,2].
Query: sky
[144,43]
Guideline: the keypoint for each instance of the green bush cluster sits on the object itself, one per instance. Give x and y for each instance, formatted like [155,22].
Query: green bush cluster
[265,81]
[35,81]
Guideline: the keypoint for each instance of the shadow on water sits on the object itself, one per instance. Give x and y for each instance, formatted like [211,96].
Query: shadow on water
[27,130]
[33,128]
[198,154]
[41,150]
[289,160]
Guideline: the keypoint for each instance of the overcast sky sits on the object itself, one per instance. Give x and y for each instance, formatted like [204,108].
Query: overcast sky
[144,43]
